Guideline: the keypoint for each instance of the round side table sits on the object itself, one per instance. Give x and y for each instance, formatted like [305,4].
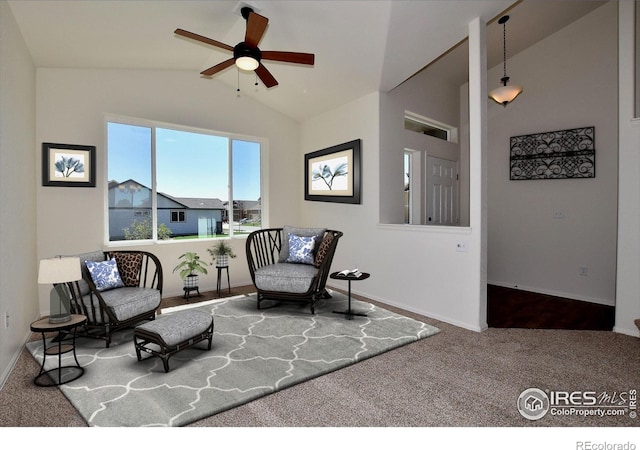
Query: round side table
[349,313]
[61,374]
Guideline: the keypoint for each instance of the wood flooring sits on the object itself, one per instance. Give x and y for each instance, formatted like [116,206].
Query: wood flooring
[506,308]
[179,300]
[514,308]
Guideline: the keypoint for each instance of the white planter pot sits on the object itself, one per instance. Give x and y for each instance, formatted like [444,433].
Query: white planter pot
[222,261]
[191,281]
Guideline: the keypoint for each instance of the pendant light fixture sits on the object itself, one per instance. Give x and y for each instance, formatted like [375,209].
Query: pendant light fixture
[505,94]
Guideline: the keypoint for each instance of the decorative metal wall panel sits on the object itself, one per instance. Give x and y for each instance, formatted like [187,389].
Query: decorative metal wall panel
[554,154]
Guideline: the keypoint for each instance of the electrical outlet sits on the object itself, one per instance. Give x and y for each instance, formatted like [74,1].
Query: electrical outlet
[558,214]
[6,319]
[461,246]
[584,271]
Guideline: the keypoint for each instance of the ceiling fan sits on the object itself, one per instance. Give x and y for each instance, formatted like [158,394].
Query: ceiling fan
[246,55]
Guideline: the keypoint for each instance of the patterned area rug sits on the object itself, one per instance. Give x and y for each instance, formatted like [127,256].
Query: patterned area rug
[254,353]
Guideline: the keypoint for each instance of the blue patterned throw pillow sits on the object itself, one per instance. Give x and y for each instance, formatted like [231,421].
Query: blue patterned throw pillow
[105,274]
[301,249]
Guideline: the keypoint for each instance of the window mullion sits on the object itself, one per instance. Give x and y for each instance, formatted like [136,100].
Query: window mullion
[230,187]
[154,197]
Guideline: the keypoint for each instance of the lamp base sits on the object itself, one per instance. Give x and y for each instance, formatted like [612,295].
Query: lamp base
[59,318]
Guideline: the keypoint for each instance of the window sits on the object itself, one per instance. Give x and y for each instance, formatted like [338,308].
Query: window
[171,182]
[407,187]
[430,127]
[177,216]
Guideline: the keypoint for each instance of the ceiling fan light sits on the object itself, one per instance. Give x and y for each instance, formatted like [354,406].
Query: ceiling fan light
[247,63]
[505,94]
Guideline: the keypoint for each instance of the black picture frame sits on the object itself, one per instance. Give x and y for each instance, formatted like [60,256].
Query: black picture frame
[321,184]
[561,154]
[68,165]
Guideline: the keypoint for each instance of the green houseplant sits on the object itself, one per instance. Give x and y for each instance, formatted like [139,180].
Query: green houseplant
[189,266]
[221,252]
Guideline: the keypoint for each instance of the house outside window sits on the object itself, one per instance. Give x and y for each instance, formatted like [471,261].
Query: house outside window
[198,175]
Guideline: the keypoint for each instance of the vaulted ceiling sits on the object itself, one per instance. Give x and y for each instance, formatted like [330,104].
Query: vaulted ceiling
[360,46]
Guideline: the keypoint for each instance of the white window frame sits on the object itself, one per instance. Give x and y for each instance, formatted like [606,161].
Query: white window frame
[416,180]
[177,212]
[451,131]
[134,121]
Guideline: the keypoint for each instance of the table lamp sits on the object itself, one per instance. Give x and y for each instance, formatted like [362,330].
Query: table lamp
[59,271]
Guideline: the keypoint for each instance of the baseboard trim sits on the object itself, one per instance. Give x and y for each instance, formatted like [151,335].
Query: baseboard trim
[9,369]
[628,332]
[13,362]
[422,312]
[568,295]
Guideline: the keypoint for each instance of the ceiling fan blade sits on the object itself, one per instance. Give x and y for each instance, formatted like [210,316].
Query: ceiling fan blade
[256,26]
[218,67]
[265,76]
[203,39]
[292,57]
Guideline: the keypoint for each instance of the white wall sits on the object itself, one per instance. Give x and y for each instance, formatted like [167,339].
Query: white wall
[411,266]
[70,108]
[430,94]
[628,263]
[18,261]
[570,80]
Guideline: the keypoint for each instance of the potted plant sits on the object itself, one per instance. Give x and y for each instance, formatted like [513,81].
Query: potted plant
[221,252]
[189,265]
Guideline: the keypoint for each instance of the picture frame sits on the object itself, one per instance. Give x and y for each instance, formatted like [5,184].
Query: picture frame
[334,174]
[561,154]
[68,165]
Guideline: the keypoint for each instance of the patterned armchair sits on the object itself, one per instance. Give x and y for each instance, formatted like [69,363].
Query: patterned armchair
[111,307]
[279,274]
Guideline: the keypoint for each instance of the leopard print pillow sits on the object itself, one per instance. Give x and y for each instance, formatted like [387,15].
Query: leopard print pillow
[129,265]
[323,249]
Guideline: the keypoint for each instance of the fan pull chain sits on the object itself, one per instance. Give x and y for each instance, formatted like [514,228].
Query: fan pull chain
[256,83]
[238,88]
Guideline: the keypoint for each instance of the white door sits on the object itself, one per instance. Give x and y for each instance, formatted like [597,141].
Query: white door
[442,191]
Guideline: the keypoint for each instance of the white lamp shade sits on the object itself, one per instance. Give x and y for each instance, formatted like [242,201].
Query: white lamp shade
[505,94]
[247,63]
[59,270]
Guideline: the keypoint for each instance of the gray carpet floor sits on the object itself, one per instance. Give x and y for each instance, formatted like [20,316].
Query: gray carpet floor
[458,378]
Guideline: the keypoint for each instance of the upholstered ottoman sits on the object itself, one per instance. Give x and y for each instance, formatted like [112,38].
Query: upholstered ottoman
[168,334]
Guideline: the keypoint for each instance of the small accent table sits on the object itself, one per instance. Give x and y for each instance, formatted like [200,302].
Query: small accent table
[349,313]
[220,277]
[61,374]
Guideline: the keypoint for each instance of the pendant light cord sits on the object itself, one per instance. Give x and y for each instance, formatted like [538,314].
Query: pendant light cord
[504,48]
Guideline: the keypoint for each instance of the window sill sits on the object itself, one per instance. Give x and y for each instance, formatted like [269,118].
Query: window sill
[149,243]
[424,228]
